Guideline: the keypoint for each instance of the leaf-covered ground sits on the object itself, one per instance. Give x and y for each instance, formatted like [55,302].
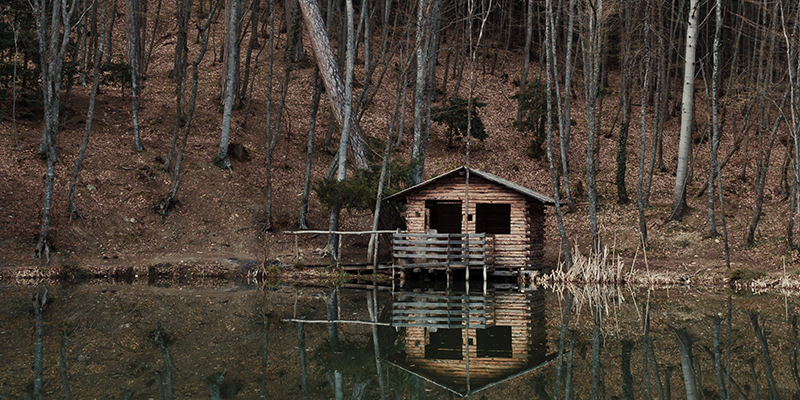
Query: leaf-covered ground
[222,214]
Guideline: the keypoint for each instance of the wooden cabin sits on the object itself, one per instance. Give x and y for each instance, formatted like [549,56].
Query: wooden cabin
[501,229]
[468,342]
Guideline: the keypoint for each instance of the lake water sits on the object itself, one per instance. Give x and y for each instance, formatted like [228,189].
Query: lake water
[253,341]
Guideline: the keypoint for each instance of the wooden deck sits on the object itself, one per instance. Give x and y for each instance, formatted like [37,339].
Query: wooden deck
[442,251]
[433,310]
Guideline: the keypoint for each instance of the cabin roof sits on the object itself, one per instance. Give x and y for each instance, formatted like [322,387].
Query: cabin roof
[547,200]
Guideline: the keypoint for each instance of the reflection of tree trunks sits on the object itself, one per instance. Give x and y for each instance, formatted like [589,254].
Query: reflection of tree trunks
[685,342]
[562,335]
[39,300]
[301,343]
[373,315]
[654,365]
[668,386]
[753,373]
[214,383]
[646,346]
[729,382]
[625,366]
[62,365]
[161,339]
[718,360]
[793,354]
[762,340]
[568,395]
[596,365]
[333,315]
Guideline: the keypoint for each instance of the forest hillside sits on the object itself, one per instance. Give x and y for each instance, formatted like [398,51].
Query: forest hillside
[243,158]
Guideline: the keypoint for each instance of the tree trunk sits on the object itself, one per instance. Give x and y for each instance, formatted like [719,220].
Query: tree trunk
[715,123]
[234,16]
[348,110]
[51,53]
[419,89]
[679,207]
[135,52]
[301,220]
[179,67]
[640,201]
[255,14]
[166,202]
[221,160]
[591,61]
[89,116]
[331,77]
[523,80]
[553,168]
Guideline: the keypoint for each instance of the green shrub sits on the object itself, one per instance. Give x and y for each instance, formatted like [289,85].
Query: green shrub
[454,116]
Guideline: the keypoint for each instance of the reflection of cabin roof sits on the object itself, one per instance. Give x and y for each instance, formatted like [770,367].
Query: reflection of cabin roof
[464,392]
[485,175]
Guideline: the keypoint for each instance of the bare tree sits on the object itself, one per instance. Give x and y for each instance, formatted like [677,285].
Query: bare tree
[332,78]
[135,53]
[51,52]
[166,201]
[679,207]
[221,159]
[89,114]
[592,45]
[347,119]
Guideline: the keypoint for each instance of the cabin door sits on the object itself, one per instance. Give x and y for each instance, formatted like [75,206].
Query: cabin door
[445,216]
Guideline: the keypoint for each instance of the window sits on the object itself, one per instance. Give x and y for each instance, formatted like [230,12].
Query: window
[494,341]
[493,218]
[445,344]
[445,216]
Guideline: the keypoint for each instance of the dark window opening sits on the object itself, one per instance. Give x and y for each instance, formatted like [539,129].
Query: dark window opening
[445,344]
[493,218]
[445,216]
[494,342]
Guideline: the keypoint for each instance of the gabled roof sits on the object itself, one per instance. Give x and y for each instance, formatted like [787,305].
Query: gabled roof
[485,175]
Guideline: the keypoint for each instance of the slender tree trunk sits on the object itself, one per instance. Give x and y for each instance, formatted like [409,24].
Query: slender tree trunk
[230,53]
[331,77]
[348,109]
[591,71]
[553,168]
[419,89]
[255,14]
[180,64]
[51,53]
[89,116]
[715,123]
[640,200]
[523,80]
[221,160]
[679,207]
[166,202]
[294,33]
[134,59]
[301,221]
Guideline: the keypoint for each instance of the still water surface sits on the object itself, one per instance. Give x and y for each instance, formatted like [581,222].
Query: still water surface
[243,341]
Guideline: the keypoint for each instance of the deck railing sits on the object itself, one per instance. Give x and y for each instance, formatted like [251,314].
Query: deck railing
[442,250]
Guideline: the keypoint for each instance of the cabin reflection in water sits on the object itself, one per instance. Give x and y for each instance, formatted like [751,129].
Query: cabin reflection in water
[468,341]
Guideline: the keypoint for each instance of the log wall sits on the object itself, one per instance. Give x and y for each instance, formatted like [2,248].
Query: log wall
[521,248]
